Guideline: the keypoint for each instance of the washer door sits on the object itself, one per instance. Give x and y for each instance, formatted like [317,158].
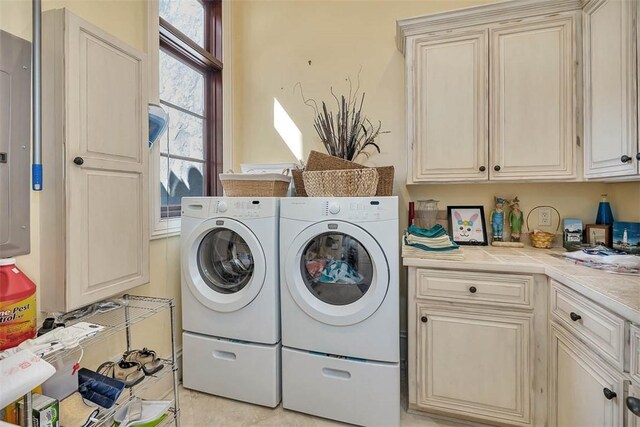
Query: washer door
[337,273]
[224,264]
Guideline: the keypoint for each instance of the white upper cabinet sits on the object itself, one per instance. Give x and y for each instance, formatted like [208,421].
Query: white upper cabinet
[94,207]
[610,95]
[532,99]
[492,93]
[447,94]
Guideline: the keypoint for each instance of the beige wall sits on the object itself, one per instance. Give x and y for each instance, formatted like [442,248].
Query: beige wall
[277,44]
[127,20]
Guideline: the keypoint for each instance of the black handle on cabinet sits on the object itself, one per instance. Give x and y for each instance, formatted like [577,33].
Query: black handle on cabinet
[473,289]
[424,319]
[482,168]
[633,404]
[638,157]
[574,316]
[496,168]
[609,394]
[78,161]
[625,159]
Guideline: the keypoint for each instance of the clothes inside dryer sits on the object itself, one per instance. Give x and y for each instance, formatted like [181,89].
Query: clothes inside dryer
[336,268]
[225,261]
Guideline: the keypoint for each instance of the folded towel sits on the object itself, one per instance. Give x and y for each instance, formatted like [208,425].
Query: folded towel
[438,242]
[414,252]
[435,231]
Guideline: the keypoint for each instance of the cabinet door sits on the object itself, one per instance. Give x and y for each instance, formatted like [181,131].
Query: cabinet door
[532,99]
[632,402]
[448,103]
[474,363]
[106,165]
[609,89]
[578,379]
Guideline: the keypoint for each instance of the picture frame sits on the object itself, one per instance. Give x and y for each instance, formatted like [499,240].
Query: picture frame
[598,234]
[626,237]
[467,225]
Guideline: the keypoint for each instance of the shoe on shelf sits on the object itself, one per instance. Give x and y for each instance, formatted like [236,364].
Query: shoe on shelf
[145,357]
[130,373]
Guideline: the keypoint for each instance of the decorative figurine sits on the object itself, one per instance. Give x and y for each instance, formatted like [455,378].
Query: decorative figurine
[515,219]
[496,217]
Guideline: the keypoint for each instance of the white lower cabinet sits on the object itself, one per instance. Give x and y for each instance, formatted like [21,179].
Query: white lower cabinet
[632,403]
[584,391]
[474,362]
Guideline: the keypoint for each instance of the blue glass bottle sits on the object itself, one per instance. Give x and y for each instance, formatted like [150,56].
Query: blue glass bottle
[604,216]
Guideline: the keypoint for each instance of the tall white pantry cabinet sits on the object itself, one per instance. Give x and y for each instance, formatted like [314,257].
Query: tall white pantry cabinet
[94,233]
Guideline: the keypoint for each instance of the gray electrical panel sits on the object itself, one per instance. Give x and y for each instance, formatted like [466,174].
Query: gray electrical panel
[15,165]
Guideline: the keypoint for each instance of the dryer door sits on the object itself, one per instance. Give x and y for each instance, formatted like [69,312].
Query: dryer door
[337,273]
[223,264]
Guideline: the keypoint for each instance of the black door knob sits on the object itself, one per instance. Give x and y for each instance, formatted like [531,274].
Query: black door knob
[633,404]
[496,168]
[482,168]
[625,159]
[78,161]
[472,289]
[638,157]
[424,319]
[609,394]
[575,317]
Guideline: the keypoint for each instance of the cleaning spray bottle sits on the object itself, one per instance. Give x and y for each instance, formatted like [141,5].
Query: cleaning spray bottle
[17,305]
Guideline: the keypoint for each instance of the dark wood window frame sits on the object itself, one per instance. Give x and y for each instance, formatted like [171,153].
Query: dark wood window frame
[208,61]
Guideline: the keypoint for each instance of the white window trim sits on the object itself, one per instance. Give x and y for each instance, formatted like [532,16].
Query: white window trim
[171,227]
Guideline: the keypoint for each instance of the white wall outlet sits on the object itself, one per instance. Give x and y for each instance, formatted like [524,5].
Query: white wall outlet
[544,216]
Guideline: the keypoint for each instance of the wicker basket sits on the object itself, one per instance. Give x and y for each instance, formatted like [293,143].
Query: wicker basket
[255,184]
[321,162]
[341,183]
[542,239]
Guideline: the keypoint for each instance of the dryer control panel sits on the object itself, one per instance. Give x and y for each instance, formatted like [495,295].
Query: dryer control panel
[354,209]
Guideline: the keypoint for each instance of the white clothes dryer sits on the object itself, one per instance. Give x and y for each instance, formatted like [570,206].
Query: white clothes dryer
[339,263]
[230,297]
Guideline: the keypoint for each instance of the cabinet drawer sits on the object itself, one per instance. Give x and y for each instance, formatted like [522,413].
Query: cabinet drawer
[603,330]
[478,288]
[635,354]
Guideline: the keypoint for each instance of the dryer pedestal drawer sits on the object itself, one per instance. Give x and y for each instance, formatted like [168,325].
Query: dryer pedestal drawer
[241,371]
[352,391]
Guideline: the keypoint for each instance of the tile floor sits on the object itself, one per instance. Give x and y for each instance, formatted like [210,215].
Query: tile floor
[200,409]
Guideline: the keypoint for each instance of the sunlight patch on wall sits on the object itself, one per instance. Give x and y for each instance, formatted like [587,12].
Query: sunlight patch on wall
[287,129]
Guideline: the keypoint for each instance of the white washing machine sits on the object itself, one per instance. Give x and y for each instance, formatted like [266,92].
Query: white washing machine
[339,264]
[230,297]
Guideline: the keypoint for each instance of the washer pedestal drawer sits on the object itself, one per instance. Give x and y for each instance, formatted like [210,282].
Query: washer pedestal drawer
[348,390]
[237,370]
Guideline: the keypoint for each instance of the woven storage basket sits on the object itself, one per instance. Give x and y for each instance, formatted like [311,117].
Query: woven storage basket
[255,184]
[320,162]
[341,183]
[542,239]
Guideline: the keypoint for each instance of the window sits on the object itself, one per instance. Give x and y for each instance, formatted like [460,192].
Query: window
[190,84]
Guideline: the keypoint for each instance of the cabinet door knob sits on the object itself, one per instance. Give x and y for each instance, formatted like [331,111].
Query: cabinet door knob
[638,157]
[574,316]
[633,404]
[424,319]
[625,159]
[472,289]
[482,168]
[78,161]
[609,394]
[496,168]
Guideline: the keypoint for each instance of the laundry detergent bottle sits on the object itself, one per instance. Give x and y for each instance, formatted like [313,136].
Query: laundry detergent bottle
[17,305]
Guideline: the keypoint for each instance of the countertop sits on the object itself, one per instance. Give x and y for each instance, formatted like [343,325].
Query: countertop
[618,292]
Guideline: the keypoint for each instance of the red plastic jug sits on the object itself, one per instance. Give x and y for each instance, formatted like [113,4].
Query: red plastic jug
[17,305]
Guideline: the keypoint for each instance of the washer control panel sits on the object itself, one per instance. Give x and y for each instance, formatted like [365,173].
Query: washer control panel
[231,207]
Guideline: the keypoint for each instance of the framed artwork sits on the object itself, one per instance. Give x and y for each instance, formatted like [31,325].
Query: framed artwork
[598,235]
[467,226]
[626,237]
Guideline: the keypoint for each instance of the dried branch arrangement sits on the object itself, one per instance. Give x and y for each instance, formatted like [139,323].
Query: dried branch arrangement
[348,133]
